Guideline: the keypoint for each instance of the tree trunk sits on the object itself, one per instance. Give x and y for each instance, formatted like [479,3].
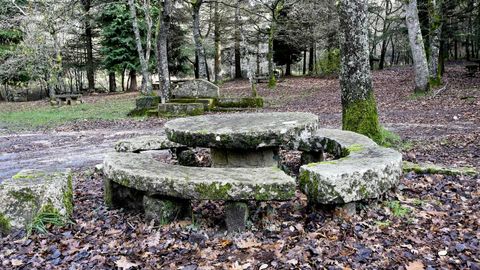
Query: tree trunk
[133,81]
[435,37]
[238,63]
[112,85]
[310,59]
[417,47]
[359,110]
[162,53]
[383,52]
[200,53]
[146,83]
[89,45]
[276,9]
[218,49]
[288,69]
[304,71]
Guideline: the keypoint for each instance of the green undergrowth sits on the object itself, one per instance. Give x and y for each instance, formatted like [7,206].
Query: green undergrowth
[29,117]
[389,138]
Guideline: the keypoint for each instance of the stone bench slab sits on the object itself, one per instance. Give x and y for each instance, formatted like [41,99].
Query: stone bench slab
[230,184]
[365,173]
[145,143]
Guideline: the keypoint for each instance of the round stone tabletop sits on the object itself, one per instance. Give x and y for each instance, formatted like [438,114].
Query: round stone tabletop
[241,130]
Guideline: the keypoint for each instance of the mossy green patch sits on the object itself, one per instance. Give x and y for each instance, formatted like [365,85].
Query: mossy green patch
[355,148]
[213,191]
[435,169]
[23,195]
[28,175]
[5,226]
[246,102]
[361,116]
[68,196]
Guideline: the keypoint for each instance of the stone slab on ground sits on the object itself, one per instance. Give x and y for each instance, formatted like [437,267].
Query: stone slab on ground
[180,109]
[363,174]
[201,183]
[145,143]
[198,88]
[208,103]
[30,193]
[240,102]
[241,130]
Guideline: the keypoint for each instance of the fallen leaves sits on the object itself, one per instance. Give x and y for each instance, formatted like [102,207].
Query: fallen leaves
[125,264]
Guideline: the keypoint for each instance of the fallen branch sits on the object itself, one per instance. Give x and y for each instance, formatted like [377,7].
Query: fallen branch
[440,90]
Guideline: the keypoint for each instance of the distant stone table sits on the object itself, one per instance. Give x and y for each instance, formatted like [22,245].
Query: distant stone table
[244,139]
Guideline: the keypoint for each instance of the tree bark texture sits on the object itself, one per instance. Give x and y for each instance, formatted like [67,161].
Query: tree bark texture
[112,85]
[146,87]
[238,63]
[435,38]
[417,48]
[89,45]
[197,37]
[162,52]
[218,48]
[359,110]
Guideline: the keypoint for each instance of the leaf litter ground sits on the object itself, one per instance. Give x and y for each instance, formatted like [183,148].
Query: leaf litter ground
[429,222]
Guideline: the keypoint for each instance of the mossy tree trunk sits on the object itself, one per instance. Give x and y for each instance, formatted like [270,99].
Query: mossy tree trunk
[197,37]
[162,53]
[435,10]
[359,110]
[417,47]
[275,9]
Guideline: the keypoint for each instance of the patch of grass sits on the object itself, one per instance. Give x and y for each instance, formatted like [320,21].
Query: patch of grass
[43,220]
[418,95]
[398,210]
[389,138]
[383,224]
[51,116]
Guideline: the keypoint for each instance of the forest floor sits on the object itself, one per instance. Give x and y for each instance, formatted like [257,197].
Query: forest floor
[431,221]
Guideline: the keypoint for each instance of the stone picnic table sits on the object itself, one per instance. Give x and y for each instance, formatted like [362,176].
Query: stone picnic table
[245,167]
[243,139]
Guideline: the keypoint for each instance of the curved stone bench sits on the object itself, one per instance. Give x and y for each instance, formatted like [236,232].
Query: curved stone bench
[163,190]
[146,143]
[364,170]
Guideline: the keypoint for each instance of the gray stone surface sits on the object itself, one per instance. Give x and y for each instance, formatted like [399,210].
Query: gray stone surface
[145,143]
[180,109]
[29,193]
[364,173]
[165,210]
[241,130]
[265,157]
[333,141]
[236,215]
[195,89]
[233,184]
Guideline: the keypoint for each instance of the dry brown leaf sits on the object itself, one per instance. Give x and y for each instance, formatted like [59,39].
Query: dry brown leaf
[416,265]
[244,244]
[124,263]
[16,262]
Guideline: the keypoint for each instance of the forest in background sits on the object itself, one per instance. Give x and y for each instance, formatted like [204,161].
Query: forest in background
[51,47]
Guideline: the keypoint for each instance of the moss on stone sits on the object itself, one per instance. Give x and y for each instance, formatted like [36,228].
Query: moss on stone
[355,148]
[361,116]
[5,226]
[213,191]
[107,192]
[435,169]
[246,102]
[27,175]
[68,196]
[23,195]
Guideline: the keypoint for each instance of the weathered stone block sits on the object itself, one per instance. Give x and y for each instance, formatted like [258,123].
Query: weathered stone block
[265,157]
[195,89]
[180,109]
[242,102]
[145,143]
[165,210]
[208,103]
[31,193]
[147,102]
[236,215]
